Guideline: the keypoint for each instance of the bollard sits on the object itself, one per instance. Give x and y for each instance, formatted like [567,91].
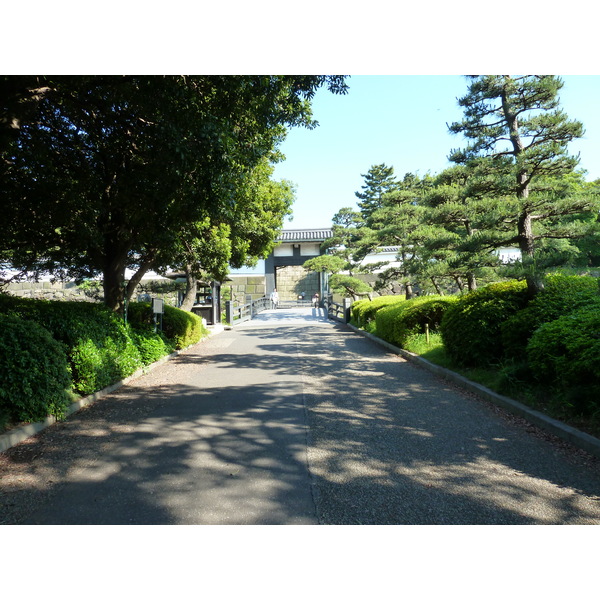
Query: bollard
[347,303]
[229,312]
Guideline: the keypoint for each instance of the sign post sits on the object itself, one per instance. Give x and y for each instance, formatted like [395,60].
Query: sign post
[158,308]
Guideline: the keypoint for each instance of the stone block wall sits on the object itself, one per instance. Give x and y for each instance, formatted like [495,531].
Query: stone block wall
[46,290]
[291,281]
[240,286]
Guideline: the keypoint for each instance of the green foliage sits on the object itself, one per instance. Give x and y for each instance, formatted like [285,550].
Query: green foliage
[471,327]
[179,151]
[34,374]
[565,354]
[101,349]
[379,180]
[427,348]
[100,352]
[364,311]
[346,284]
[561,295]
[184,328]
[91,288]
[181,328]
[328,263]
[397,323]
[151,346]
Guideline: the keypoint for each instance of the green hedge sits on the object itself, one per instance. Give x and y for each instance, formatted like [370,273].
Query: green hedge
[562,295]
[101,349]
[363,312]
[565,354]
[34,373]
[471,327]
[398,323]
[180,327]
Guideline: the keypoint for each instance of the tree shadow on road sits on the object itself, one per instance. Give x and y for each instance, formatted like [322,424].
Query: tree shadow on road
[223,434]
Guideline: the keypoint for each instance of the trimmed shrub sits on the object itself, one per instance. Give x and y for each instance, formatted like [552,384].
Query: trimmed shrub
[151,346]
[364,311]
[562,295]
[565,353]
[99,348]
[471,327]
[34,373]
[184,328]
[398,323]
[180,327]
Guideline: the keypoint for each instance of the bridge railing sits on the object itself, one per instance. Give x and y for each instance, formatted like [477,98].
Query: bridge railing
[238,313]
[339,312]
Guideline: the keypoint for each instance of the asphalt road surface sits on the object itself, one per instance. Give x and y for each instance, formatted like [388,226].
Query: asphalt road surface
[291,419]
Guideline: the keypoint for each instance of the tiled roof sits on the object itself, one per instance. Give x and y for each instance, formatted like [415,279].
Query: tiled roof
[304,235]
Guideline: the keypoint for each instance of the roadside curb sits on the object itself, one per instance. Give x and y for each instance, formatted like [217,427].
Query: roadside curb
[570,434]
[21,433]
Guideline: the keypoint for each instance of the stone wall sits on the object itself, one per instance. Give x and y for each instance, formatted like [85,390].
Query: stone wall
[47,291]
[240,286]
[291,281]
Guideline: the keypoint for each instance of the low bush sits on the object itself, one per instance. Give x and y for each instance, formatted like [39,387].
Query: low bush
[363,311]
[562,295]
[99,347]
[471,326]
[397,323]
[565,354]
[180,327]
[34,373]
[43,342]
[151,346]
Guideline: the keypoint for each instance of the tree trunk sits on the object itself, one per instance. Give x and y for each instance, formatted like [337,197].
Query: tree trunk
[459,283]
[135,280]
[471,282]
[535,280]
[191,287]
[524,225]
[409,290]
[437,287]
[114,288]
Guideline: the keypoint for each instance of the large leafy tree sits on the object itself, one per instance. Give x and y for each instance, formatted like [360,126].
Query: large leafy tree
[517,153]
[104,173]
[207,250]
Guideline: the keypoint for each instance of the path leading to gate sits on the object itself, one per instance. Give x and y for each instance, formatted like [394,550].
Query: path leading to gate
[292,419]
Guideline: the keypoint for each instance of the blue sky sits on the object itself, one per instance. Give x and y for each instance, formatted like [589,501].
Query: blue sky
[399,120]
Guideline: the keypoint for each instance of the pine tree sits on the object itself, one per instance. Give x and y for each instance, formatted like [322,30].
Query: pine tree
[397,222]
[518,156]
[379,181]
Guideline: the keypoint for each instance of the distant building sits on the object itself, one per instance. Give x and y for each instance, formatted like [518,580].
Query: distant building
[387,254]
[284,270]
[508,255]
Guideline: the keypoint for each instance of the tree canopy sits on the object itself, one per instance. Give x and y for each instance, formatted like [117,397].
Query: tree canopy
[103,173]
[517,153]
[513,185]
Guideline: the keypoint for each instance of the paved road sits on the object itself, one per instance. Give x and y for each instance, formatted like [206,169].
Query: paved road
[290,419]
